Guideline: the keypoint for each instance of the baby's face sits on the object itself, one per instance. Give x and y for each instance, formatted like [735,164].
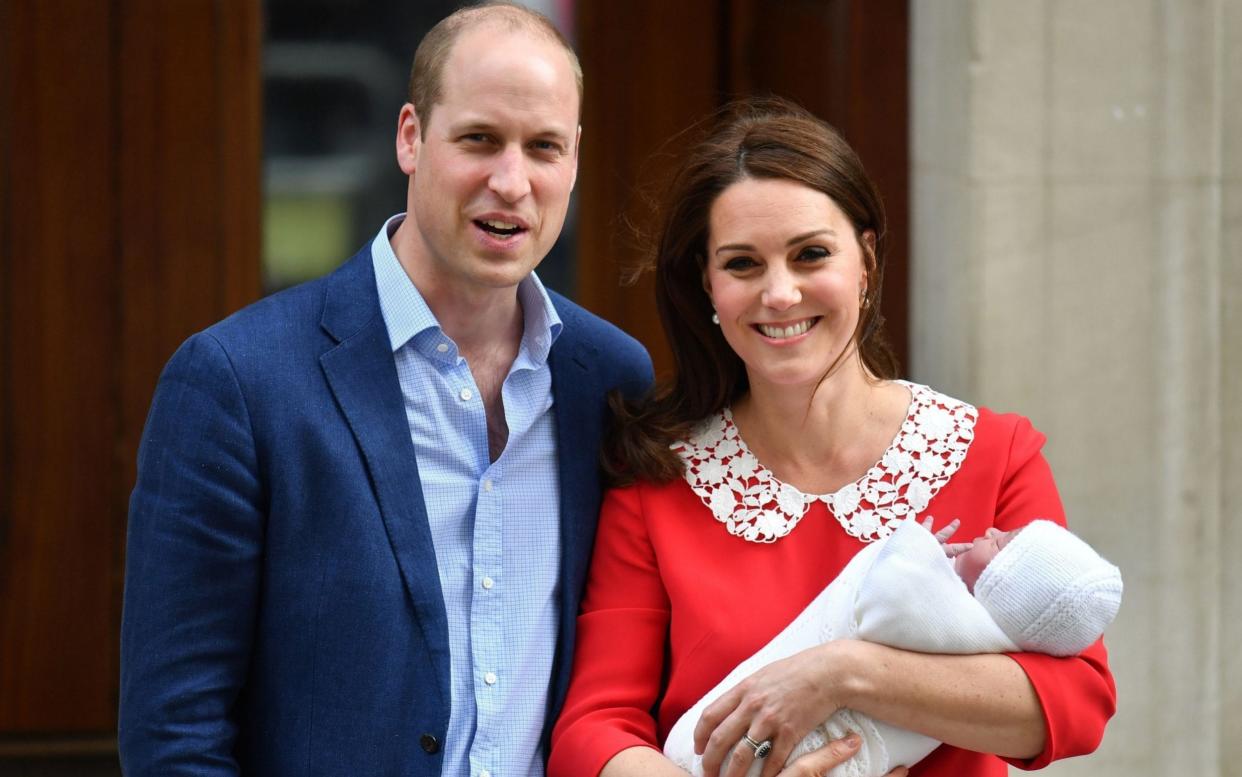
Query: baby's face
[970,564]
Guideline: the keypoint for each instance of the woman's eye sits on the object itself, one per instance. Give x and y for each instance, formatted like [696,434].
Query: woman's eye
[740,263]
[813,253]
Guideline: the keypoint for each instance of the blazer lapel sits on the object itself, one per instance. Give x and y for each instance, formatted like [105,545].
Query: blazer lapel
[363,377]
[579,418]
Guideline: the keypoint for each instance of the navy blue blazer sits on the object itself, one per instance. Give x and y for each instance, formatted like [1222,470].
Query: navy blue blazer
[283,613]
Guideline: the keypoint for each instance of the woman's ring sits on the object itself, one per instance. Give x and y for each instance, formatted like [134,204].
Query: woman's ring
[762,749]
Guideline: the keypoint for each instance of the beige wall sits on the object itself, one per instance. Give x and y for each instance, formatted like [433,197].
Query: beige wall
[1077,257]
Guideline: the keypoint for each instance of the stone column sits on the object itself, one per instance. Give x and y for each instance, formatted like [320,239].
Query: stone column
[1077,257]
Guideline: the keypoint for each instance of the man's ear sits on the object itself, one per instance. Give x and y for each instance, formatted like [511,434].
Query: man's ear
[409,139]
[577,146]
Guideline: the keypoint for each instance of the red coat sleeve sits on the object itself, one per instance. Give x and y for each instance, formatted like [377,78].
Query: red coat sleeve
[619,658]
[1077,693]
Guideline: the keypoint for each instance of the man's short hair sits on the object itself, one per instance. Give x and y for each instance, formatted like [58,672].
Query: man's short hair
[427,72]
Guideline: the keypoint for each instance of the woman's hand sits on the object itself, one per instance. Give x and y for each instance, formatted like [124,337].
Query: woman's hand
[780,703]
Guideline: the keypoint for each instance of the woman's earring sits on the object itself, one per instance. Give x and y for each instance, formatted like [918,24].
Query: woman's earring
[715,318]
[862,299]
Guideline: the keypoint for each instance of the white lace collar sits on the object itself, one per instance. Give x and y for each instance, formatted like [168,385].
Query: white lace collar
[754,505]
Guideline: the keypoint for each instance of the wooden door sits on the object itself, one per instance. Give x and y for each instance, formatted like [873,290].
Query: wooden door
[129,218]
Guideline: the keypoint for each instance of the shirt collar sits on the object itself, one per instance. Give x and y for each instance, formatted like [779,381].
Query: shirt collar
[407,315]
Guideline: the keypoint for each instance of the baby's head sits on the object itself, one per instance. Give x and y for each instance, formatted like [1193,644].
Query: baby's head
[971,562]
[1048,590]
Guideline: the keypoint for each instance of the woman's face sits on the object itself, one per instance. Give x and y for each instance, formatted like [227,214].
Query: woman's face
[786,273]
[970,564]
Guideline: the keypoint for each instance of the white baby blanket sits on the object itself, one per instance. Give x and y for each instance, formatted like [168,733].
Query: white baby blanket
[901,591]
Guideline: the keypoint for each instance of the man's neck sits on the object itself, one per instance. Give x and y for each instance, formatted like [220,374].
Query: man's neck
[479,319]
[477,322]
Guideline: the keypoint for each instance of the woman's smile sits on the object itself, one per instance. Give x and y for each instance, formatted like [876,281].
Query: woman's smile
[786,333]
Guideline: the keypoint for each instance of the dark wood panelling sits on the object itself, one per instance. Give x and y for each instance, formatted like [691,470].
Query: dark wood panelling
[57,608]
[190,182]
[654,68]
[129,154]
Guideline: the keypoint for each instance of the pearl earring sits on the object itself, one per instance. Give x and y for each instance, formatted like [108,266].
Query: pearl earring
[715,318]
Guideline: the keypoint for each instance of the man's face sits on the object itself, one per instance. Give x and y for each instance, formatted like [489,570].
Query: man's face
[492,171]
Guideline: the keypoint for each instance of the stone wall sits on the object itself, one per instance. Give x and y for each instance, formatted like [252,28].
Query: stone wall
[1077,257]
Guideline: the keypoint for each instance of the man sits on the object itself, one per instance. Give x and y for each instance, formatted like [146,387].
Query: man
[365,506]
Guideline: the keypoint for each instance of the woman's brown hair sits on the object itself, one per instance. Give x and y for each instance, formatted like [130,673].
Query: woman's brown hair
[754,138]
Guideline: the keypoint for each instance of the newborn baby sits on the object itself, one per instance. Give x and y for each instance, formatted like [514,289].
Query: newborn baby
[1038,588]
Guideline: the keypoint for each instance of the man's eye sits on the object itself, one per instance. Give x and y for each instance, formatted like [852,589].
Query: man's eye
[546,146]
[475,137]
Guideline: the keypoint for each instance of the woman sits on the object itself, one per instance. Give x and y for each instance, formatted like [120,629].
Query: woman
[781,446]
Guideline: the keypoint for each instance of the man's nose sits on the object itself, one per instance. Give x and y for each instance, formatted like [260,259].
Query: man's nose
[509,178]
[781,291]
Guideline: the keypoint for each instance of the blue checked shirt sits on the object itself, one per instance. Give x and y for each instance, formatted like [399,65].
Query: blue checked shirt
[495,526]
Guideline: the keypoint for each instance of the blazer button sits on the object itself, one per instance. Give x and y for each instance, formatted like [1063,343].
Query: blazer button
[429,743]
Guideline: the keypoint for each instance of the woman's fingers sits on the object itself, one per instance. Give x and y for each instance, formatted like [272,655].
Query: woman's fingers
[819,762]
[720,730]
[738,760]
[708,725]
[782,746]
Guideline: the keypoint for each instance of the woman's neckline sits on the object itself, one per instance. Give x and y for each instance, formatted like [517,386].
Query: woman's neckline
[874,462]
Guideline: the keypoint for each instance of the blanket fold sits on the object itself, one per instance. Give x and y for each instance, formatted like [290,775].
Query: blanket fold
[901,591]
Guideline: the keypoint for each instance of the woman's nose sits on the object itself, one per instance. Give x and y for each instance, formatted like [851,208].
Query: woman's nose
[781,291]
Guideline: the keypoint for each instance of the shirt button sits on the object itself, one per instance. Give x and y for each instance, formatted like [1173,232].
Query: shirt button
[442,347]
[429,743]
[487,484]
[485,773]
[465,395]
[490,678]
[488,582]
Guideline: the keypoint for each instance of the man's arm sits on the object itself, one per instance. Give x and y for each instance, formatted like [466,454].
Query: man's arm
[193,554]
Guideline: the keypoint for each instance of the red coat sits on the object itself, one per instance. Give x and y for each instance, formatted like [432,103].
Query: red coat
[674,602]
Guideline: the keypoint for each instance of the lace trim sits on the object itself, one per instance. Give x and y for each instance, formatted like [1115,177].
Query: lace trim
[754,505]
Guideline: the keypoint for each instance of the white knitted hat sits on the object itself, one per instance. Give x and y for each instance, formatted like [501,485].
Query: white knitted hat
[1049,591]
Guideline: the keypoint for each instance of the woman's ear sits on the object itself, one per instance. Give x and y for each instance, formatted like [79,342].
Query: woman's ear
[868,245]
